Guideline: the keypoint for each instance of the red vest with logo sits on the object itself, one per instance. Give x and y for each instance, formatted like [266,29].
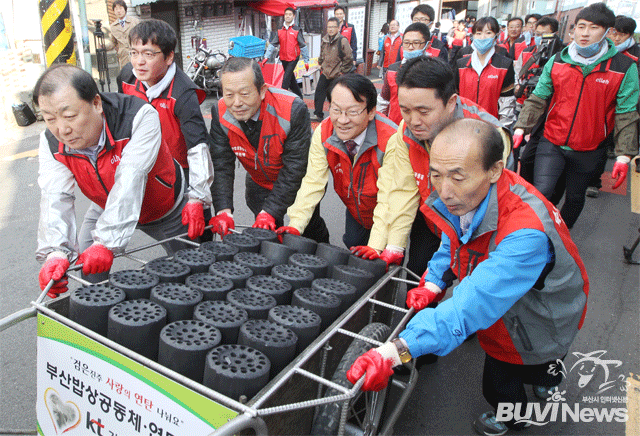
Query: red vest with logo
[346,31]
[394,107]
[391,50]
[542,324]
[582,110]
[289,47]
[355,183]
[96,182]
[165,105]
[516,48]
[484,90]
[263,164]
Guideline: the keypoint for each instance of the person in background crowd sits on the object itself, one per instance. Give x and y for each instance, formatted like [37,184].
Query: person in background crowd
[335,60]
[269,131]
[381,36]
[415,42]
[348,31]
[425,14]
[109,145]
[503,34]
[291,42]
[457,38]
[152,76]
[486,77]
[120,29]
[350,145]
[530,28]
[593,90]
[391,46]
[523,287]
[515,42]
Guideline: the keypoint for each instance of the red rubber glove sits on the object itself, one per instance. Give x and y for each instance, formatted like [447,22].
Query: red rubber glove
[193,215]
[365,252]
[54,269]
[392,257]
[306,66]
[287,229]
[222,224]
[96,259]
[518,137]
[619,172]
[265,221]
[376,369]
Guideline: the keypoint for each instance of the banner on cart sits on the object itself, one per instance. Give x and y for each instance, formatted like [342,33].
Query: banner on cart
[86,388]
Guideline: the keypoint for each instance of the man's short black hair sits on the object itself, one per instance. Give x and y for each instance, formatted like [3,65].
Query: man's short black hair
[61,75]
[479,25]
[515,19]
[425,9]
[236,64]
[487,135]
[599,14]
[119,3]
[361,88]
[334,19]
[548,21]
[536,16]
[428,73]
[625,25]
[340,8]
[419,27]
[156,32]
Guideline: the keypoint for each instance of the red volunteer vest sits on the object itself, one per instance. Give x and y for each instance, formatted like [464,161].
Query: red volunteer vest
[568,275]
[355,183]
[391,50]
[171,131]
[347,31]
[289,47]
[581,105]
[516,48]
[394,107]
[484,90]
[263,164]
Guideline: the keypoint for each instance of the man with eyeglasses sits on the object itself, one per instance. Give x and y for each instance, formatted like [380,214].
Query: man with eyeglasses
[414,43]
[336,58]
[350,145]
[110,146]
[425,14]
[153,76]
[530,23]
[268,130]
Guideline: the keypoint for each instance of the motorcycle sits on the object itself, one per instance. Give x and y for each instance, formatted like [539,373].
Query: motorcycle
[203,69]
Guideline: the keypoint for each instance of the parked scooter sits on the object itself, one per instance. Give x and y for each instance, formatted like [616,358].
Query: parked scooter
[203,69]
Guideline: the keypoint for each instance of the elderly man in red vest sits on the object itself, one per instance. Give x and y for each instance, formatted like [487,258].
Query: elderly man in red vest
[152,75]
[350,145]
[269,131]
[110,145]
[523,287]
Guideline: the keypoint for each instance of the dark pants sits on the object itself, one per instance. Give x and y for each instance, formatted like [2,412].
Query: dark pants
[255,195]
[579,168]
[596,181]
[504,382]
[289,81]
[321,95]
[423,243]
[527,161]
[354,232]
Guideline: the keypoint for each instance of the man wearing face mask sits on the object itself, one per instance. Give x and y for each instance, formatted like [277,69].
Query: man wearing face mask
[415,42]
[486,77]
[593,90]
[622,37]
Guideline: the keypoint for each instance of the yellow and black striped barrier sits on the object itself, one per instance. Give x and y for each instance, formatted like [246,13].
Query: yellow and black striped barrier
[57,32]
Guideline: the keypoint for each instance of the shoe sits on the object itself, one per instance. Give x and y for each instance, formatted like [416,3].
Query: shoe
[542,392]
[317,119]
[486,424]
[593,192]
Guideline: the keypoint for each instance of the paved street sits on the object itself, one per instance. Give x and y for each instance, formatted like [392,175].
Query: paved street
[448,396]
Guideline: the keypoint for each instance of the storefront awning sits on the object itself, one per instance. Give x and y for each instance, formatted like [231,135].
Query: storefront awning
[276,8]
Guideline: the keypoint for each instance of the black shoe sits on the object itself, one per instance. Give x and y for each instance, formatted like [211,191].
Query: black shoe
[593,192]
[318,119]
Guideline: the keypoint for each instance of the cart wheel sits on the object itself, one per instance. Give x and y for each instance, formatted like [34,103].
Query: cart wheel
[366,408]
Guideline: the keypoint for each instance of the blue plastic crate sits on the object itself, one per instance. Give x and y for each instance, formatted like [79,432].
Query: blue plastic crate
[246,46]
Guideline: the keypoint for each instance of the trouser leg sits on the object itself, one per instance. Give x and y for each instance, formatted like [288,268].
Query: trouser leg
[168,227]
[289,81]
[354,232]
[321,95]
[85,239]
[423,243]
[316,228]
[548,167]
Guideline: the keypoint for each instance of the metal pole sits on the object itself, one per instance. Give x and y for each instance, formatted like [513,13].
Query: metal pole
[57,32]
[82,12]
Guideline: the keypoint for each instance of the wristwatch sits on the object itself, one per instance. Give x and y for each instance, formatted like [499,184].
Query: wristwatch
[403,350]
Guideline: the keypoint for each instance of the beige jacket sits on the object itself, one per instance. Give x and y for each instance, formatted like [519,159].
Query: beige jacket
[120,38]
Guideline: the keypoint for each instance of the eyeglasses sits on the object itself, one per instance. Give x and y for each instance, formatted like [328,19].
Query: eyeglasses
[413,44]
[351,113]
[422,20]
[148,55]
